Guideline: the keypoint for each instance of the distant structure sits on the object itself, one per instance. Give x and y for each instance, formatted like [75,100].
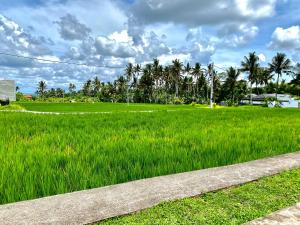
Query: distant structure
[285,100]
[8,90]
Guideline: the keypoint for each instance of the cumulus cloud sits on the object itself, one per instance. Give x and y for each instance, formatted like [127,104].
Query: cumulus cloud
[288,38]
[201,12]
[234,35]
[15,40]
[117,44]
[71,29]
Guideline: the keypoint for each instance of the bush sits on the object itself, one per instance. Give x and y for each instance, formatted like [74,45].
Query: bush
[4,102]
[178,101]
[193,104]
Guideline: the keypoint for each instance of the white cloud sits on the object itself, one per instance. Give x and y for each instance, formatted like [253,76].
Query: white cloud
[262,57]
[71,29]
[116,44]
[202,12]
[288,38]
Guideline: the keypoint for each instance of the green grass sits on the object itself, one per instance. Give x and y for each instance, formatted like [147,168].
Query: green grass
[98,107]
[43,155]
[236,205]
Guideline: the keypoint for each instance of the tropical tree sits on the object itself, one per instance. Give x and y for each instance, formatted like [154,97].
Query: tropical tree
[87,88]
[176,70]
[136,74]
[211,74]
[96,86]
[72,88]
[196,73]
[41,89]
[231,81]
[280,64]
[129,73]
[250,65]
[263,77]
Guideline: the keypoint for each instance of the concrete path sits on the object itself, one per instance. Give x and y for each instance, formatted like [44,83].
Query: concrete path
[287,216]
[97,204]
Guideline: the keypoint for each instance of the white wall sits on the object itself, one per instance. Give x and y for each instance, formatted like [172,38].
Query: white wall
[8,89]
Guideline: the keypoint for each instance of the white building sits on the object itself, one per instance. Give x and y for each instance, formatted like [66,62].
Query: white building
[286,101]
[8,90]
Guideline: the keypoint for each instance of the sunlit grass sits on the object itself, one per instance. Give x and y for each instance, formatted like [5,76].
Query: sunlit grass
[43,155]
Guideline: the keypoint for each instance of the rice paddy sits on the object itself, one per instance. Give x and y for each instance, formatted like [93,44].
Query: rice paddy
[43,155]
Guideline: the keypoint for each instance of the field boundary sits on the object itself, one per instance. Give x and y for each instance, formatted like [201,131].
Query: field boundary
[88,113]
[97,204]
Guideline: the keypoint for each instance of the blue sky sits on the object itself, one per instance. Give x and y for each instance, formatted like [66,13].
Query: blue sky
[111,33]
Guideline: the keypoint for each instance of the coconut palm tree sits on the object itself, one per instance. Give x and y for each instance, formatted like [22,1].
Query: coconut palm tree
[196,72]
[41,90]
[128,73]
[176,70]
[280,64]
[72,88]
[231,81]
[250,65]
[263,76]
[211,74]
[96,86]
[136,73]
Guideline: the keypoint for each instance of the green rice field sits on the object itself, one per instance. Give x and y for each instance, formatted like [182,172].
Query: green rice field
[44,155]
[98,107]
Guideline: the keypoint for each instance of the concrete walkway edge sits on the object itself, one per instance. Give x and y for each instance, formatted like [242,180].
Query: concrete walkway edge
[287,216]
[97,204]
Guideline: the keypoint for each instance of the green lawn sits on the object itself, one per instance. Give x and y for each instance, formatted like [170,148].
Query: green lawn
[43,155]
[236,205]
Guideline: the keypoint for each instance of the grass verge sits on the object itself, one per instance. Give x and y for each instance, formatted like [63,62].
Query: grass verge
[236,205]
[11,107]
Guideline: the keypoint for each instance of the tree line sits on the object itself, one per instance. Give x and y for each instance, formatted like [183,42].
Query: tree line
[179,83]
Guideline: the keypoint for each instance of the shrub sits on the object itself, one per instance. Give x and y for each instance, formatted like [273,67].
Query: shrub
[4,102]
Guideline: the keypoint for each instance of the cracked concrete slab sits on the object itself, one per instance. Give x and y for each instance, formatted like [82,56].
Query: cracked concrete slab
[287,216]
[97,204]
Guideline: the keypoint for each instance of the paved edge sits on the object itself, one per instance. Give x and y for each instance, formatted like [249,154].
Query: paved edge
[287,216]
[97,204]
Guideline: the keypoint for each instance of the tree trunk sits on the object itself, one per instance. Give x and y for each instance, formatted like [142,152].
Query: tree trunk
[277,84]
[176,88]
[212,91]
[251,103]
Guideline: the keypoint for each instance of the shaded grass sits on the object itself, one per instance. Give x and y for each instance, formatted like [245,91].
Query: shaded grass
[236,205]
[43,155]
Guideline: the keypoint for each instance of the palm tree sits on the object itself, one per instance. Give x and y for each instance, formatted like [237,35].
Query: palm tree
[72,88]
[231,81]
[87,88]
[280,63]
[211,73]
[41,90]
[263,76]
[176,73]
[128,74]
[250,65]
[136,73]
[96,85]
[187,71]
[196,72]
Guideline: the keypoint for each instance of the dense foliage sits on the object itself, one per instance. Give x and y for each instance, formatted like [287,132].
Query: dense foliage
[43,155]
[178,83]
